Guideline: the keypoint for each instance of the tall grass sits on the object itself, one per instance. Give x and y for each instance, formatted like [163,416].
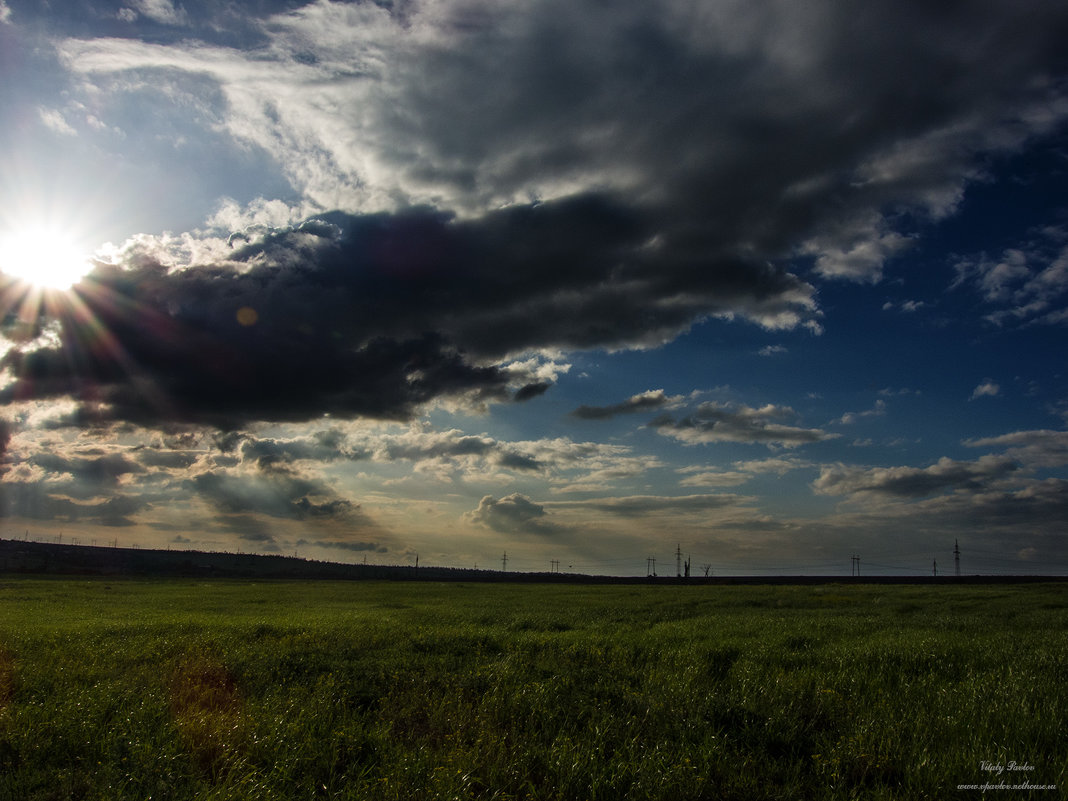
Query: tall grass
[231,690]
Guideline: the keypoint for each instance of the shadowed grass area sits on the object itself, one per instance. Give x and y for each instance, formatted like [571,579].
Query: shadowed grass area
[219,690]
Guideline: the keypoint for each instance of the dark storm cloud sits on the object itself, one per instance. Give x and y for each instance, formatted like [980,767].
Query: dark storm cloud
[746,132]
[321,344]
[373,315]
[685,155]
[642,402]
[531,390]
[765,129]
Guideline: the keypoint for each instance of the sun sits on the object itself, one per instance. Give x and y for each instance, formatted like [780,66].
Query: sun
[43,256]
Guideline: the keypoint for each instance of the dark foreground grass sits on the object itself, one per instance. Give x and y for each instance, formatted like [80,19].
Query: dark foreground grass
[220,690]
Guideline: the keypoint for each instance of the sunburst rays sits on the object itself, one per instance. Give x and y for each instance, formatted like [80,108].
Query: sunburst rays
[56,343]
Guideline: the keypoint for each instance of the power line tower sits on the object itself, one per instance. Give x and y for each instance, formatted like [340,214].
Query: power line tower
[504,561]
[855,565]
[934,567]
[707,569]
[678,560]
[956,559]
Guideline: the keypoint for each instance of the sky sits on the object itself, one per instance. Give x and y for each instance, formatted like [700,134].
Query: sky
[769,285]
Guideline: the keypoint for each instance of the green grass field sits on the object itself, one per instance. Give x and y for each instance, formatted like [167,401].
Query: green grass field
[217,690]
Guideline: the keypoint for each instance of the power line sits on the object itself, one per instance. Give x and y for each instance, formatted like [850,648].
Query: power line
[884,566]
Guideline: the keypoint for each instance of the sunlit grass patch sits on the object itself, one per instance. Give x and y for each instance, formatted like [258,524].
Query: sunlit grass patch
[7,678]
[206,708]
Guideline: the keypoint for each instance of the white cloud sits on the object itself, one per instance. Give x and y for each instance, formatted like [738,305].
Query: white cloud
[259,213]
[780,465]
[878,410]
[905,306]
[546,367]
[889,392]
[1034,449]
[512,514]
[913,482]
[856,250]
[772,350]
[713,479]
[986,389]
[1026,284]
[54,120]
[161,11]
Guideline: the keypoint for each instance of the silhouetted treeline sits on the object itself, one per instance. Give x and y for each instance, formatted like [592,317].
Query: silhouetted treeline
[17,556]
[23,557]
